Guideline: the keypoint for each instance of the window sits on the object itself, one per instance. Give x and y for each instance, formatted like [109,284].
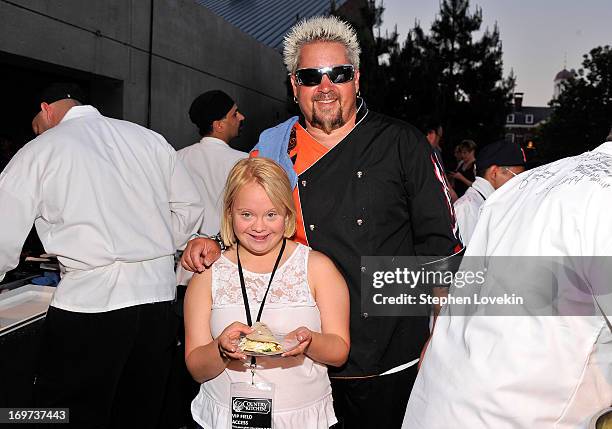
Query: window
[510,137]
[510,118]
[529,119]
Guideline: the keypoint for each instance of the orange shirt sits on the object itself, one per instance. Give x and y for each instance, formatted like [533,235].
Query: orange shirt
[304,151]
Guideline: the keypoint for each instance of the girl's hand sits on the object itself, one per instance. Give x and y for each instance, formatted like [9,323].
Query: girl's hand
[228,341]
[304,336]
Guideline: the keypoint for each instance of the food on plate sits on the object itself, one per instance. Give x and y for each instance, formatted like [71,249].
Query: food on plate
[261,340]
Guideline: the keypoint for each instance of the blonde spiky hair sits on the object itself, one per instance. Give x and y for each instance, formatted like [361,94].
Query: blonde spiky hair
[320,29]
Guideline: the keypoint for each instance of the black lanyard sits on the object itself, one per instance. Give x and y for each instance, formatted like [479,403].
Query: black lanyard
[244,291]
[243,286]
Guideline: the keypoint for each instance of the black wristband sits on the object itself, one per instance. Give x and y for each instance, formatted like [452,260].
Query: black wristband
[216,238]
[219,241]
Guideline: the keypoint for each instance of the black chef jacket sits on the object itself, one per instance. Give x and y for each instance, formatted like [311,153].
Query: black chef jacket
[376,194]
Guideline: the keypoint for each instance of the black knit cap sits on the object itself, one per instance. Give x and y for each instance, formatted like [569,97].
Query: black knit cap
[61,90]
[209,107]
[502,153]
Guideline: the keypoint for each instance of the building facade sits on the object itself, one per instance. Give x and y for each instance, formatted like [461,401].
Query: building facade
[140,60]
[522,122]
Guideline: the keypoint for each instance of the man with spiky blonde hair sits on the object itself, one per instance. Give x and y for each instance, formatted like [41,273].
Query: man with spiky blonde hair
[363,185]
[328,29]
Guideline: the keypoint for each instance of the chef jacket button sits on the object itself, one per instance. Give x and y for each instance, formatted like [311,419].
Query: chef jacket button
[359,174]
[359,222]
[312,227]
[364,315]
[304,183]
[363,269]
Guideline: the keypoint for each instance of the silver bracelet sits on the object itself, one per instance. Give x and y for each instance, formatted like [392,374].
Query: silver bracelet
[217,238]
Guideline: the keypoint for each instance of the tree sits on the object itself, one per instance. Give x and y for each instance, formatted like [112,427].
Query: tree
[410,80]
[583,111]
[450,75]
[366,17]
[446,74]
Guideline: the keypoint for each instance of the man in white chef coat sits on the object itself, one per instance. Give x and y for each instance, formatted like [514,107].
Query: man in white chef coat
[526,369]
[210,160]
[113,202]
[496,163]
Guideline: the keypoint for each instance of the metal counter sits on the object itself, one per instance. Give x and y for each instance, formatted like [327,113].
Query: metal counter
[24,305]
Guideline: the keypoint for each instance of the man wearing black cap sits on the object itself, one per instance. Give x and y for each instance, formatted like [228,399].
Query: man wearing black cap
[496,163]
[113,202]
[210,160]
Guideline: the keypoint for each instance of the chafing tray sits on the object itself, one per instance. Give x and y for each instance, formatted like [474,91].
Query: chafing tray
[23,306]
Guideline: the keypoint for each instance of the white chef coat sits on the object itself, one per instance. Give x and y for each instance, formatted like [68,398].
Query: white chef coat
[110,199]
[209,162]
[467,208]
[527,371]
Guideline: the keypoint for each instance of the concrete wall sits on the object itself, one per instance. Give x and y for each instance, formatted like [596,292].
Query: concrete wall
[193,50]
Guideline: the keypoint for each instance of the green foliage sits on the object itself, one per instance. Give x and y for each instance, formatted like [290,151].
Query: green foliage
[447,74]
[583,112]
[365,17]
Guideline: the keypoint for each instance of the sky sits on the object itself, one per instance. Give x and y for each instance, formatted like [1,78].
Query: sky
[537,35]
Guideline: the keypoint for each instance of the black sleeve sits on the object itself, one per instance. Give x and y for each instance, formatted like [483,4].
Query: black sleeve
[434,226]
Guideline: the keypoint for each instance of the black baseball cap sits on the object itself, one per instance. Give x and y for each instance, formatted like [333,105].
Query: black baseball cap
[503,153]
[209,107]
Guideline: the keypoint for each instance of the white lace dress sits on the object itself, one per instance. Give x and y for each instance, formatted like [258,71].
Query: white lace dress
[302,396]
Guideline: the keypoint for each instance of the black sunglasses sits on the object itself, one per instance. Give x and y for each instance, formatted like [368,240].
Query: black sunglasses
[336,74]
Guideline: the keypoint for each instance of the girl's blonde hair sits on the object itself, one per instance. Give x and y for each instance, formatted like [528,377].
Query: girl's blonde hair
[272,178]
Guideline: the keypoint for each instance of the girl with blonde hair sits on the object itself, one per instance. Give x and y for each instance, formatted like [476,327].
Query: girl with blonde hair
[264,276]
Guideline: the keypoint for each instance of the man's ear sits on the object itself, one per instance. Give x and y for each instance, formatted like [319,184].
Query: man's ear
[356,79]
[49,113]
[294,85]
[217,125]
[495,171]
